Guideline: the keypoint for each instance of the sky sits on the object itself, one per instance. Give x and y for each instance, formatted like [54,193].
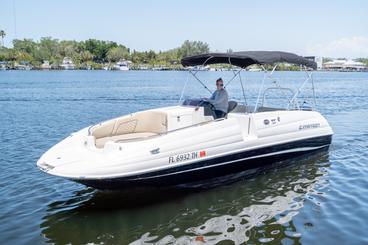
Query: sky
[310,27]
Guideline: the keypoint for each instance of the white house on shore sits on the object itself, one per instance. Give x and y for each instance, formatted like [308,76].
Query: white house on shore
[345,65]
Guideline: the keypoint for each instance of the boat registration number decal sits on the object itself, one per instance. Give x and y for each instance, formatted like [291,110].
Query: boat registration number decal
[187,156]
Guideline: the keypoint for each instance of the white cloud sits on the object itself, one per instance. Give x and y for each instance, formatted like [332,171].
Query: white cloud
[352,47]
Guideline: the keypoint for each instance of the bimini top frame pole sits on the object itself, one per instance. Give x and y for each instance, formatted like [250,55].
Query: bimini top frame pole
[194,73]
[236,73]
[263,81]
[294,98]
[182,91]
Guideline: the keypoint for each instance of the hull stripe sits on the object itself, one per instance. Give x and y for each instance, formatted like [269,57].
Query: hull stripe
[238,160]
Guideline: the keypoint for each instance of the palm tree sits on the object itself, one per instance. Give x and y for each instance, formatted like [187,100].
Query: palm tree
[2,34]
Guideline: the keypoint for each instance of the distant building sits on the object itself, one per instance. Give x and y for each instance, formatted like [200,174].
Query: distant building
[345,65]
[316,59]
[67,64]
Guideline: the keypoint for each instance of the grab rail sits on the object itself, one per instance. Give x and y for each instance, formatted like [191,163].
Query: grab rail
[275,88]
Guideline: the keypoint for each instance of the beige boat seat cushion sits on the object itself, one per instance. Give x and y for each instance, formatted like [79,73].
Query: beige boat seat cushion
[141,122]
[151,121]
[124,137]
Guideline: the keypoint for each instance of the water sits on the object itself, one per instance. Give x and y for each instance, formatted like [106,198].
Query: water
[318,199]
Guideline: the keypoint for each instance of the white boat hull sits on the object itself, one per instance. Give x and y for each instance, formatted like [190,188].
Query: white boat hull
[121,68]
[183,155]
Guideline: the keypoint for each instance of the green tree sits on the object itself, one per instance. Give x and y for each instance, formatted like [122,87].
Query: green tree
[2,35]
[169,57]
[49,48]
[363,60]
[9,54]
[25,45]
[189,48]
[86,56]
[325,59]
[117,53]
[68,48]
[150,55]
[24,50]
[94,52]
[99,49]
[138,57]
[23,56]
[3,54]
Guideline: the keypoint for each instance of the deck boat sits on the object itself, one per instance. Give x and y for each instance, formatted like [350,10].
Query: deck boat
[185,143]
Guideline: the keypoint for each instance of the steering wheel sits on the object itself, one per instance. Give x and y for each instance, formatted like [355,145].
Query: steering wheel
[205,102]
[208,106]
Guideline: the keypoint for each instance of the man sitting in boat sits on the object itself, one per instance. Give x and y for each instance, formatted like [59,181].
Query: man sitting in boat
[219,99]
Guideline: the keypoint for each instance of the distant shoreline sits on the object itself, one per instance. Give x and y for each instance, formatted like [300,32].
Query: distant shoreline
[92,54]
[153,70]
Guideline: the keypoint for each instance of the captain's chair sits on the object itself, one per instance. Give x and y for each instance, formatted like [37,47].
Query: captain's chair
[232,105]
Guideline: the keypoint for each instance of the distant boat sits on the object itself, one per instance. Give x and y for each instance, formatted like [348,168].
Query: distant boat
[255,69]
[46,65]
[67,64]
[122,65]
[143,68]
[87,67]
[24,66]
[160,68]
[3,66]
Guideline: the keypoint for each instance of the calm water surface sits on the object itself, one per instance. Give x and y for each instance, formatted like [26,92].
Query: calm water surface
[320,199]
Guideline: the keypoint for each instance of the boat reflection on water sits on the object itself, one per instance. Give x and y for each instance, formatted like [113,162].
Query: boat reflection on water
[257,208]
